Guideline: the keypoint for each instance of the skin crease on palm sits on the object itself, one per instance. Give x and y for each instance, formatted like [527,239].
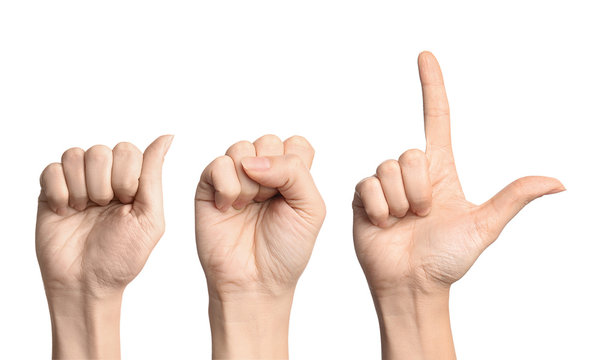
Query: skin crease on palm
[414,230]
[256,226]
[97,221]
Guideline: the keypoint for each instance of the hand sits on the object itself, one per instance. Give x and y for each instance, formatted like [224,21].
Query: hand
[100,214]
[414,231]
[258,214]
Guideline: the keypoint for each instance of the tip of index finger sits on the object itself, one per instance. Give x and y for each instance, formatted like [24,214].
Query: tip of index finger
[429,69]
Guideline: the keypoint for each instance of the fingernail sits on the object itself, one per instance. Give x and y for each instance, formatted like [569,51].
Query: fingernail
[557,190]
[169,142]
[256,163]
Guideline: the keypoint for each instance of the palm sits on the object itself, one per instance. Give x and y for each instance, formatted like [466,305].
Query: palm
[247,246]
[100,213]
[102,246]
[437,248]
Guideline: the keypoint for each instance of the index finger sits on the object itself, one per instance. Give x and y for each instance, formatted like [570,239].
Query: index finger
[436,106]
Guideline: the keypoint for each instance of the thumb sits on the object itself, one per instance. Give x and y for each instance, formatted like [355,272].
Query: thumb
[502,207]
[149,195]
[290,176]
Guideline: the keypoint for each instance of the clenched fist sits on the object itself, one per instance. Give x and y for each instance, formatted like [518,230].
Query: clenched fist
[258,214]
[100,214]
[414,231]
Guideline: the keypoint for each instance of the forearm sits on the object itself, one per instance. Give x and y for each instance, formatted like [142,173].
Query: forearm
[250,327]
[85,327]
[415,326]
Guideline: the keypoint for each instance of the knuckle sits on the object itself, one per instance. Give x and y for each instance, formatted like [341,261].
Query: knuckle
[72,155]
[52,169]
[519,190]
[366,184]
[359,187]
[241,147]
[126,148]
[98,152]
[412,157]
[299,141]
[388,167]
[267,139]
[222,161]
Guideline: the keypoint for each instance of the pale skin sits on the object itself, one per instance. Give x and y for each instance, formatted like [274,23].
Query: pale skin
[258,213]
[100,213]
[415,233]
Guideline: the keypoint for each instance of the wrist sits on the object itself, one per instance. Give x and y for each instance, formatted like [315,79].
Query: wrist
[415,324]
[83,325]
[405,301]
[250,325]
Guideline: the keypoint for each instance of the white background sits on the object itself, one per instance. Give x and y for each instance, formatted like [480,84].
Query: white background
[525,85]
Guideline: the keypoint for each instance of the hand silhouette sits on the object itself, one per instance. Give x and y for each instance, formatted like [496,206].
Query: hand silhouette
[100,214]
[258,214]
[413,227]
[415,233]
[250,238]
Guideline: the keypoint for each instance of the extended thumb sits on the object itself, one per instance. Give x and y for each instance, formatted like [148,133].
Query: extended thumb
[149,193]
[502,207]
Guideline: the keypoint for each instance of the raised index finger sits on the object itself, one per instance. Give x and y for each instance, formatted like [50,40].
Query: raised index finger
[436,106]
